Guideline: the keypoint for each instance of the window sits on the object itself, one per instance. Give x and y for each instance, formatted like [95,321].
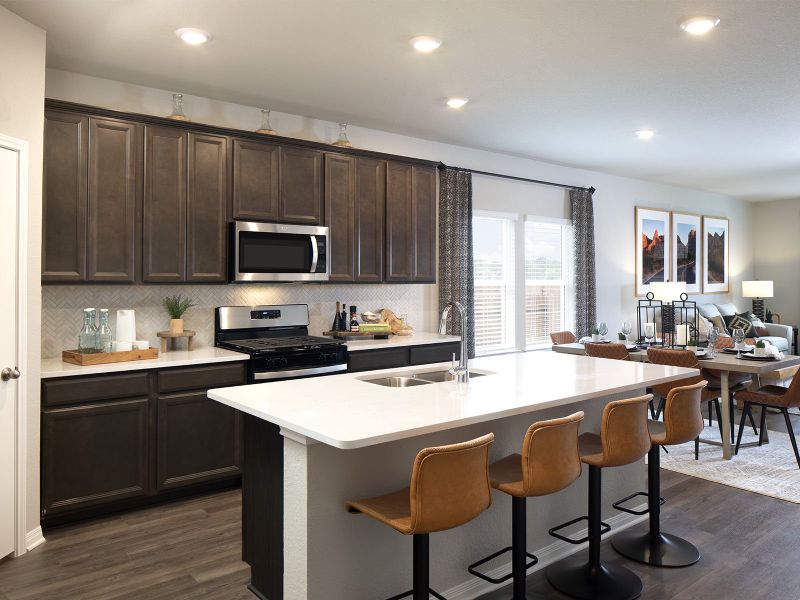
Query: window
[493,256]
[545,281]
[522,281]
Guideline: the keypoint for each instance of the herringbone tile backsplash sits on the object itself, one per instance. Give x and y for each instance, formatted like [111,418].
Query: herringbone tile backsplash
[62,306]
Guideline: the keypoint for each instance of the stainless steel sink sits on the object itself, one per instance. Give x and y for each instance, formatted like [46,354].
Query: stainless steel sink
[439,376]
[396,381]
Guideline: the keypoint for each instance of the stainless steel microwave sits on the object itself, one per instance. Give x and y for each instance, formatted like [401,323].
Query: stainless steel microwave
[278,252]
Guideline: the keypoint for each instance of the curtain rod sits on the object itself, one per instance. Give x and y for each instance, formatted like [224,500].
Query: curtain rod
[591,190]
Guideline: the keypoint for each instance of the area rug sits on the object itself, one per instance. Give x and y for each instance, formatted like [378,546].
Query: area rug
[770,470]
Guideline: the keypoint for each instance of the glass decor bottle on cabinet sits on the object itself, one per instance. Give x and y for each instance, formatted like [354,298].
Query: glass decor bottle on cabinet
[104,335]
[87,338]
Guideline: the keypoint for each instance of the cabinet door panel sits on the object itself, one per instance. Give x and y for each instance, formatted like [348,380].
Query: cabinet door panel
[94,454]
[256,188]
[399,233]
[164,225]
[370,217]
[301,185]
[66,141]
[198,440]
[208,193]
[114,154]
[424,211]
[340,182]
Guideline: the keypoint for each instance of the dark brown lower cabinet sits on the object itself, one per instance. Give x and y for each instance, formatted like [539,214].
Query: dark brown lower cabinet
[112,442]
[392,358]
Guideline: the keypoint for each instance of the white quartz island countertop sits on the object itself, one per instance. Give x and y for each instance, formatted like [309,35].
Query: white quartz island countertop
[347,412]
[55,367]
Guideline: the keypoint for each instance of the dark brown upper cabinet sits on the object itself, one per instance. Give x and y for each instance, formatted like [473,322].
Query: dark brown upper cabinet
[64,193]
[410,223]
[256,186]
[340,191]
[114,164]
[370,215]
[206,210]
[300,185]
[164,213]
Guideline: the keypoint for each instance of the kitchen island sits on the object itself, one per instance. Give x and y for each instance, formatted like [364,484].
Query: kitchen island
[312,444]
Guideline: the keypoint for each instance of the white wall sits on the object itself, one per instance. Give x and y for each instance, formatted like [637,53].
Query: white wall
[614,199]
[776,234]
[22,74]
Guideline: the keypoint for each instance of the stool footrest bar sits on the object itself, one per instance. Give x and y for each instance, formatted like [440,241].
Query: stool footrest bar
[618,504]
[410,593]
[604,528]
[473,567]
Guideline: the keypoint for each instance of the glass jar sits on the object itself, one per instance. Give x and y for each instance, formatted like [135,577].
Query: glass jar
[104,334]
[87,338]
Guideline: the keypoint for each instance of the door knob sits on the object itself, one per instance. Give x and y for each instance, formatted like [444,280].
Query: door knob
[9,373]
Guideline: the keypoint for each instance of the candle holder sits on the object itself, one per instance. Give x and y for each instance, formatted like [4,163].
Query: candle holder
[685,322]
[648,314]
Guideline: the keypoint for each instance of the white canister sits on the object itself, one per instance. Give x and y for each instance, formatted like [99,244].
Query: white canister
[121,346]
[141,345]
[126,325]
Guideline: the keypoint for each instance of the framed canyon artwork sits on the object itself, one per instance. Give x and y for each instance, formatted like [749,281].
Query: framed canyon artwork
[716,255]
[685,250]
[652,248]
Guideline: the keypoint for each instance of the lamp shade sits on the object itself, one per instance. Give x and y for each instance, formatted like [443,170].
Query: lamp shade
[757,289]
[668,291]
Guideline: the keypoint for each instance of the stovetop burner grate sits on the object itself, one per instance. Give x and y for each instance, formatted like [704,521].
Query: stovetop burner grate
[278,343]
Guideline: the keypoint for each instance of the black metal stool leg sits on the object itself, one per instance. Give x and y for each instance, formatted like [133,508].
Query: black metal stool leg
[594,580]
[654,547]
[421,566]
[519,558]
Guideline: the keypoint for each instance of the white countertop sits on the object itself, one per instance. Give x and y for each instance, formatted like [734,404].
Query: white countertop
[55,367]
[398,341]
[346,412]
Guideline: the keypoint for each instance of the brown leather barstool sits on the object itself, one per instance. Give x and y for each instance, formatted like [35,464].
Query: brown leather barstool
[624,439]
[683,422]
[449,487]
[563,337]
[611,350]
[549,462]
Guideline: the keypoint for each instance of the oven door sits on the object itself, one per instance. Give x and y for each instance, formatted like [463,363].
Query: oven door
[277,252]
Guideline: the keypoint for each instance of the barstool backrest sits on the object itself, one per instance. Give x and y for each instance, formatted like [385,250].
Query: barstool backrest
[615,351]
[550,458]
[623,432]
[450,485]
[563,337]
[683,420]
[673,358]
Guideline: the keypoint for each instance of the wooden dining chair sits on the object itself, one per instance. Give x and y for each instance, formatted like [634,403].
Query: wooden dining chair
[613,351]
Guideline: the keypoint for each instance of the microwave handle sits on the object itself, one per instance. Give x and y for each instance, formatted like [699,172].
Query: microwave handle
[314,254]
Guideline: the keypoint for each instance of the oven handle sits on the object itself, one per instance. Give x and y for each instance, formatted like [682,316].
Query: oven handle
[299,372]
[314,254]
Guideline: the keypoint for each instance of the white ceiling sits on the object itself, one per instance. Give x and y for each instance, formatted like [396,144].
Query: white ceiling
[566,81]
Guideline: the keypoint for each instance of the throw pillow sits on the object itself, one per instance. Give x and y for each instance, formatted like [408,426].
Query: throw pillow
[719,323]
[746,321]
[759,329]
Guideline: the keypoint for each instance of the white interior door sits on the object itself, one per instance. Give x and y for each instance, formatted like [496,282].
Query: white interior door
[9,383]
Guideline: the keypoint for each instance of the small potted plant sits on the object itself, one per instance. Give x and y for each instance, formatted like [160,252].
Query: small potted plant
[176,306]
[692,345]
[596,335]
[622,337]
[761,348]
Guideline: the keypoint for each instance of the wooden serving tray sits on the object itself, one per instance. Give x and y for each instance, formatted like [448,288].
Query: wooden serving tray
[99,358]
[342,335]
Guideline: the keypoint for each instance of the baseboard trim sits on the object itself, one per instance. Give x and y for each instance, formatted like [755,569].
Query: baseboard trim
[33,539]
[475,587]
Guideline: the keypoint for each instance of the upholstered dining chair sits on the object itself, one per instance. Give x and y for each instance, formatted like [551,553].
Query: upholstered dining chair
[771,396]
[563,337]
[614,351]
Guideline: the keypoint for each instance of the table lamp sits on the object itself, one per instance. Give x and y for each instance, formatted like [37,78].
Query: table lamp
[757,290]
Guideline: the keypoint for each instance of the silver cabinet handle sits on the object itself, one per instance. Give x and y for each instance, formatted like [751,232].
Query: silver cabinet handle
[9,373]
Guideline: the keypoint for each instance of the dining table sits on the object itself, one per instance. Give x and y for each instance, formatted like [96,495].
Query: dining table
[723,362]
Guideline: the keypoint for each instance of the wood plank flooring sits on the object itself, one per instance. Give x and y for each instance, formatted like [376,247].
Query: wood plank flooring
[192,549]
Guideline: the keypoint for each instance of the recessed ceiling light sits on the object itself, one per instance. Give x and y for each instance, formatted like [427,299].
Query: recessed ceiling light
[425,43]
[457,102]
[699,25]
[645,134]
[192,36]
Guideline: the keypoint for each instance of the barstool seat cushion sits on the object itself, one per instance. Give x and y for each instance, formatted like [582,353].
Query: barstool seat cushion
[392,509]
[658,432]
[506,475]
[624,437]
[590,447]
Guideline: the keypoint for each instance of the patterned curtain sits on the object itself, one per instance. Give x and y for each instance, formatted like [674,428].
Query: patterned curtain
[456,280]
[583,263]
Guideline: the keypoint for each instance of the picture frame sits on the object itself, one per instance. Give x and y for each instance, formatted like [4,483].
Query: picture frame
[652,246]
[685,245]
[716,255]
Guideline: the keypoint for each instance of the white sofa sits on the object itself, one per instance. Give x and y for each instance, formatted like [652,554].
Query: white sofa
[780,336]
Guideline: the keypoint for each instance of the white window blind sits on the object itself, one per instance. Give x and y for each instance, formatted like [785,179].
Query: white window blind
[493,256]
[545,281]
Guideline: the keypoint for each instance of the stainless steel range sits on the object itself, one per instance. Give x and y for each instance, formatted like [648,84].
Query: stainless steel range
[276,338]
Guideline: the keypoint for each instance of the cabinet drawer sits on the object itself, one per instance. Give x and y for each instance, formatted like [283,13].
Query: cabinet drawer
[74,390]
[370,360]
[206,376]
[433,353]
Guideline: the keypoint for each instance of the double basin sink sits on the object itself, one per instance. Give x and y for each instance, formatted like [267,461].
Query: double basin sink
[417,378]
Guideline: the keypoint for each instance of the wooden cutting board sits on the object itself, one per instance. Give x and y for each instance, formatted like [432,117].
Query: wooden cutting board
[100,358]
